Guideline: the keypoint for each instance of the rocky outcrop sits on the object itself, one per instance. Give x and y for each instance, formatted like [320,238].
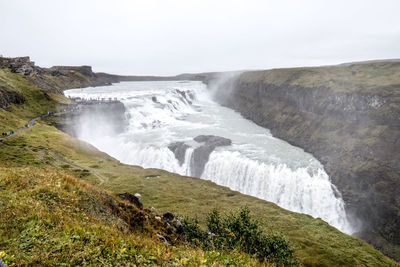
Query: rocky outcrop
[202,153]
[132,199]
[346,116]
[167,227]
[179,150]
[57,78]
[9,97]
[20,65]
[68,77]
[174,222]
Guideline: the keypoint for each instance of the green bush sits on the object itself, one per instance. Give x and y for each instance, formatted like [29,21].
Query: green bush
[192,231]
[241,232]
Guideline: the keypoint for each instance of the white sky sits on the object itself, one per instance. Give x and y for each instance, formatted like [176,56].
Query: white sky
[167,37]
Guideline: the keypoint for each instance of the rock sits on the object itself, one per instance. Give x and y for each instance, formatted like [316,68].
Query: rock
[202,154]
[212,140]
[132,199]
[163,239]
[168,216]
[20,65]
[179,150]
[211,234]
[174,222]
[9,97]
[185,96]
[178,227]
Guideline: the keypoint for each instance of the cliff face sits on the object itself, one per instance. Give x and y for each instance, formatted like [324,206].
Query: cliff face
[9,97]
[346,116]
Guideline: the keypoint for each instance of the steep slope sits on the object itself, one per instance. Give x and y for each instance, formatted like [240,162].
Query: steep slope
[348,117]
[56,219]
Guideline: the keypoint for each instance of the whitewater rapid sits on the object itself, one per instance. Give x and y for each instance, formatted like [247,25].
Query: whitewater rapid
[256,164]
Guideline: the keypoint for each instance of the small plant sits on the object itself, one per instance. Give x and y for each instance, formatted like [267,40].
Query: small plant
[6,259]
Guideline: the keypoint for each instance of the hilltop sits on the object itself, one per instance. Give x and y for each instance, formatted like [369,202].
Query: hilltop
[61,198]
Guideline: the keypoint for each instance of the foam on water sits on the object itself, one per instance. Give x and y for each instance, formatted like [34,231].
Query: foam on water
[256,164]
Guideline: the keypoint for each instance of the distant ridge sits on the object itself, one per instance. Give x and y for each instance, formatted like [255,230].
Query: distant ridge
[370,61]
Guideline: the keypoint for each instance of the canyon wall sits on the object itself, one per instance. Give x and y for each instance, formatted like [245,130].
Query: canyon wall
[349,118]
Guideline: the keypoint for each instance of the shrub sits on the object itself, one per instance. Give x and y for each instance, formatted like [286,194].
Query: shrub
[193,232]
[239,231]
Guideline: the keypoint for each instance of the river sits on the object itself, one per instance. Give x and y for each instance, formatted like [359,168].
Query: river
[162,113]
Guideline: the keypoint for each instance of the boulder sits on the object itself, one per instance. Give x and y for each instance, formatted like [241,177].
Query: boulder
[179,150]
[132,199]
[173,222]
[202,153]
[212,140]
[168,216]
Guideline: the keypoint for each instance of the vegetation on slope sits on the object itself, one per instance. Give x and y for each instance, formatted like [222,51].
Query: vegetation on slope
[239,231]
[55,219]
[52,212]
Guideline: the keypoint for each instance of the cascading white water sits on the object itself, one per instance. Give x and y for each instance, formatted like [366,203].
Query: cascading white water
[306,193]
[257,164]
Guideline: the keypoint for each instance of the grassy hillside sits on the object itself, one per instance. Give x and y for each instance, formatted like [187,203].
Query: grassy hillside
[55,217]
[365,77]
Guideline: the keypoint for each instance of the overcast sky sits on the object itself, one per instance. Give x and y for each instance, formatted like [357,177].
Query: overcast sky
[170,37]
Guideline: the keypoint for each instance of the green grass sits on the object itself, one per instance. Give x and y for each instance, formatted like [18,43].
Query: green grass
[55,219]
[354,77]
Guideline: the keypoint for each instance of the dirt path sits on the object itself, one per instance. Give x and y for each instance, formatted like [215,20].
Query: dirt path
[30,124]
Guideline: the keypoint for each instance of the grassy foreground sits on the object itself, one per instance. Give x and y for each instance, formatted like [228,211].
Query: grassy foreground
[54,213]
[55,219]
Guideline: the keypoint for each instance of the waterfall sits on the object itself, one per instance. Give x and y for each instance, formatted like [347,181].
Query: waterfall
[296,190]
[253,163]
